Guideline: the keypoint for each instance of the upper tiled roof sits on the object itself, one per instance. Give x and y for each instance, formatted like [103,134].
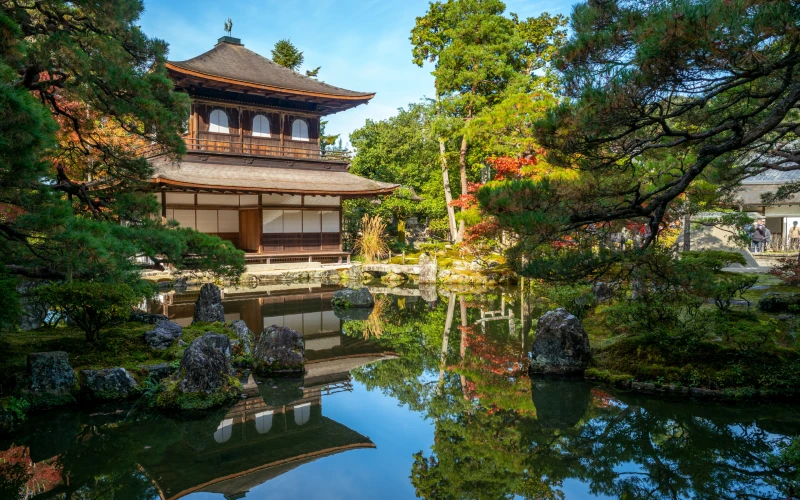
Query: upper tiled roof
[774,177]
[234,62]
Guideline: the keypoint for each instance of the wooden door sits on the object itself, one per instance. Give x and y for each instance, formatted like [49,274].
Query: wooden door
[249,231]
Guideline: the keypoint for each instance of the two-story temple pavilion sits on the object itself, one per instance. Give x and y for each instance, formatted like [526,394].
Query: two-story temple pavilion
[255,172]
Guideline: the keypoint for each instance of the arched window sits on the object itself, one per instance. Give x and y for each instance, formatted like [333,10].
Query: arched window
[261,126]
[218,122]
[300,130]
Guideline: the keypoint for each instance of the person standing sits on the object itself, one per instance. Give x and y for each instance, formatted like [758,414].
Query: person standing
[759,235]
[794,236]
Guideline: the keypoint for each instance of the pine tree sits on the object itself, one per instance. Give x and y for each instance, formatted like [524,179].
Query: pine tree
[287,55]
[82,91]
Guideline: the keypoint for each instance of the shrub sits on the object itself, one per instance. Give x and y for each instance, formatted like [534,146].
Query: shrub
[577,299]
[371,242]
[93,306]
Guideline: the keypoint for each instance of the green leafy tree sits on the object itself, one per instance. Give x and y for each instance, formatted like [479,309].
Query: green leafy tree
[477,51]
[713,81]
[83,89]
[287,55]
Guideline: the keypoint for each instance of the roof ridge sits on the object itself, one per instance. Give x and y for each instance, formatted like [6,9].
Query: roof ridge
[261,70]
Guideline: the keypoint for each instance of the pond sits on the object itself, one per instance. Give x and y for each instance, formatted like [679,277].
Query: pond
[428,397]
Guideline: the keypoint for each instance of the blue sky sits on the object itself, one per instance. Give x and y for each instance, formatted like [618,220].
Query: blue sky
[361,45]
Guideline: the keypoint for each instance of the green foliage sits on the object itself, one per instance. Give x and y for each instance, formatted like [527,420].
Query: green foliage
[577,299]
[18,407]
[82,90]
[10,309]
[287,55]
[647,87]
[150,390]
[93,306]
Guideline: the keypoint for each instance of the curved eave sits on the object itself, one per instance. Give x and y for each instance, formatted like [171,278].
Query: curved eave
[307,457]
[353,194]
[268,88]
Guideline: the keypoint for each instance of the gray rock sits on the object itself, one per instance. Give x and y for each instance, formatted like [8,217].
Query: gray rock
[559,403]
[279,350]
[246,337]
[208,308]
[561,346]
[205,365]
[51,373]
[180,285]
[350,298]
[110,384]
[355,275]
[428,292]
[428,269]
[164,335]
[603,291]
[147,318]
[778,302]
[158,372]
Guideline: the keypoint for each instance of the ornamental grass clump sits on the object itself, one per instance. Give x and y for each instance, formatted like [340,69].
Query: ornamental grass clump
[371,243]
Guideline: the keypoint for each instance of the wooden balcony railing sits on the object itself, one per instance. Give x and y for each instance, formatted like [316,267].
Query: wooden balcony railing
[254,146]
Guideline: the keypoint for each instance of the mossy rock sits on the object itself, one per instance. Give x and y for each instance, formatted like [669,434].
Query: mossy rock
[393,278]
[172,398]
[779,302]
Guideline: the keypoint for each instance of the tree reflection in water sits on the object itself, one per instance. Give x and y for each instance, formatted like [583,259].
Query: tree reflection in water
[500,435]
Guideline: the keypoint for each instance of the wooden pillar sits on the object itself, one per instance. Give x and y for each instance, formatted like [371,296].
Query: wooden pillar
[163,204]
[260,226]
[283,120]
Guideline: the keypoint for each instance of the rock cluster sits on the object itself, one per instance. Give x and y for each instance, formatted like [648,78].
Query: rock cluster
[110,384]
[429,271]
[208,308]
[163,335]
[279,350]
[561,346]
[204,377]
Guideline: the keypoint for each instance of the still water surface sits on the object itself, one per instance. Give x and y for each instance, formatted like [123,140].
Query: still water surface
[426,397]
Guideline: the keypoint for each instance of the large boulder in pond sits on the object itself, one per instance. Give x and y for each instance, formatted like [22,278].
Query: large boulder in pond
[109,384]
[163,335]
[350,298]
[204,378]
[561,346]
[49,373]
[279,350]
[779,302]
[245,336]
[208,308]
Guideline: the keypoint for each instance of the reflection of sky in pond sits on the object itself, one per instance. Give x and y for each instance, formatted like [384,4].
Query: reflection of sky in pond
[474,411]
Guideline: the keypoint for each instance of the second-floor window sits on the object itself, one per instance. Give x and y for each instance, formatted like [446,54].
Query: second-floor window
[261,126]
[300,130]
[218,122]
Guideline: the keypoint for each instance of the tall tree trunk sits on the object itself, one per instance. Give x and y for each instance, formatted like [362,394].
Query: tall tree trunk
[448,324]
[462,163]
[448,195]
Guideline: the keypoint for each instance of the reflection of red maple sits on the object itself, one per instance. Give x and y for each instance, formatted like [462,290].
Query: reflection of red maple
[42,476]
[602,399]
